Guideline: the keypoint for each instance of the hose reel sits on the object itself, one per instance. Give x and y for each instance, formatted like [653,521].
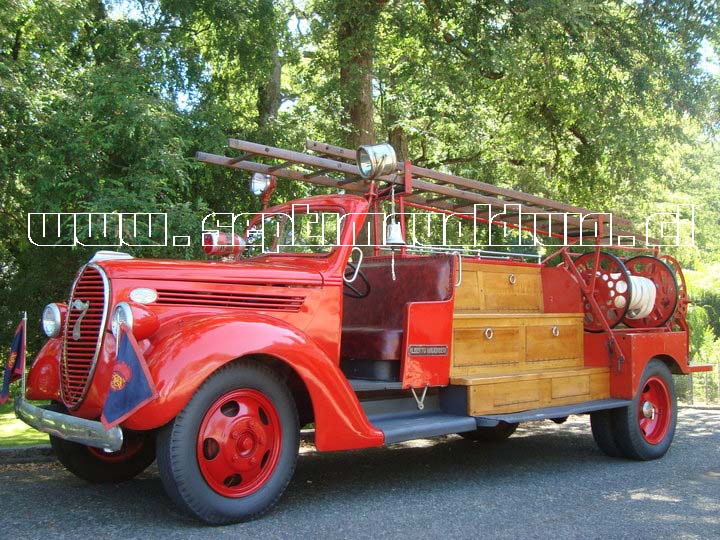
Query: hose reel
[640,293]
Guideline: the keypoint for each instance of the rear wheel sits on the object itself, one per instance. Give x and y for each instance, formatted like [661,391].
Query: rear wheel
[645,429]
[99,467]
[229,455]
[603,433]
[491,434]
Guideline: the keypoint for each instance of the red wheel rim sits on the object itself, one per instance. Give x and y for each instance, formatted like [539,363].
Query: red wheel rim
[654,410]
[239,442]
[131,446]
[683,301]
[611,290]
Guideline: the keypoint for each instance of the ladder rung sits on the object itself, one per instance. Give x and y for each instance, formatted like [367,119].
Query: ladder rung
[238,159]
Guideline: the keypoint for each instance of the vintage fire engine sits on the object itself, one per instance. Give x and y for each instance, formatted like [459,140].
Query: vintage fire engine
[372,346]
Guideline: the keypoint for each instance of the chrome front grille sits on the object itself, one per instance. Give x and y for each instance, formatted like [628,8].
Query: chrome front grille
[82,337]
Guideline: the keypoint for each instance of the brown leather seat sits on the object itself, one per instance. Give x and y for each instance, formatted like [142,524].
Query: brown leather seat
[366,343]
[373,326]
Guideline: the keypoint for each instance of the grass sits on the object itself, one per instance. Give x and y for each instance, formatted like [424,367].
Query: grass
[13,432]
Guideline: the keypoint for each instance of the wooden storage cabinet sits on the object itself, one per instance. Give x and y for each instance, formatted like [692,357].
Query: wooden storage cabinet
[520,392]
[500,343]
[512,289]
[509,354]
[494,343]
[554,340]
[499,288]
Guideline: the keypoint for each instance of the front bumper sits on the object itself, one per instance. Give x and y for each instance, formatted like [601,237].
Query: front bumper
[70,428]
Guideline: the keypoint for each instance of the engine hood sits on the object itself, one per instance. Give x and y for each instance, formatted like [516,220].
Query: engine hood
[267,271]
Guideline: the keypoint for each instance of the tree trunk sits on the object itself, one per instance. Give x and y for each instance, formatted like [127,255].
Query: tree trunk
[355,39]
[268,100]
[17,43]
[398,140]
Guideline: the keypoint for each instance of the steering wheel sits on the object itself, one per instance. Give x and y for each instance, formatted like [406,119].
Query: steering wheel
[352,291]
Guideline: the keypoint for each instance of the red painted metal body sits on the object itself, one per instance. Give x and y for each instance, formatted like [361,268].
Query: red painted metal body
[43,380]
[427,344]
[561,291]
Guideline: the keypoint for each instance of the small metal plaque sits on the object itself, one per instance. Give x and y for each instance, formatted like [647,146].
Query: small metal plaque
[427,350]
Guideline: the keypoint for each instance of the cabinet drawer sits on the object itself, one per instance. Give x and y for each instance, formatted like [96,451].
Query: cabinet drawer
[554,341]
[512,290]
[486,344]
[503,397]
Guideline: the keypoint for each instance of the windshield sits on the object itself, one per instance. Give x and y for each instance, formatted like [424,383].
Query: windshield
[315,232]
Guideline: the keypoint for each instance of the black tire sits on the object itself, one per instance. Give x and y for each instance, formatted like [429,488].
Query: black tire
[632,442]
[179,460]
[603,432]
[495,434]
[97,467]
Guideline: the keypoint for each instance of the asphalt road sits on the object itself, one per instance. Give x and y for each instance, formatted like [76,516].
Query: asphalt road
[547,481]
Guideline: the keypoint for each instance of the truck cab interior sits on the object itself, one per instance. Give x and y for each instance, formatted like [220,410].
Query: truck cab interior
[372,325]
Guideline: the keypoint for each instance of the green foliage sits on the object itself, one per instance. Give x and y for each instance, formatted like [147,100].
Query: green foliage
[14,432]
[704,321]
[601,103]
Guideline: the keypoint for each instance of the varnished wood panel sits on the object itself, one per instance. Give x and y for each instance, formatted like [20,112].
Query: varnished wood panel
[520,342]
[488,288]
[574,385]
[525,391]
[544,344]
[506,289]
[505,345]
[467,295]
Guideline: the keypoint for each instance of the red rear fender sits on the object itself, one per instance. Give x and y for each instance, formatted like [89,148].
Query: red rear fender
[180,362]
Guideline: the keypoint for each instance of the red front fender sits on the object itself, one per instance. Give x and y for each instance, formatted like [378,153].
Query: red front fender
[180,362]
[43,380]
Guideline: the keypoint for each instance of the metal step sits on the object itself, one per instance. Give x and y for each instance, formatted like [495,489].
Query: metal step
[408,426]
[551,412]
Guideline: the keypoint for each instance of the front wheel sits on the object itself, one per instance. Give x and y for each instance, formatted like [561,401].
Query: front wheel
[99,467]
[645,429]
[230,453]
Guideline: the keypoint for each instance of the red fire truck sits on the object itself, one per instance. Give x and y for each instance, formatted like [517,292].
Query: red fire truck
[369,338]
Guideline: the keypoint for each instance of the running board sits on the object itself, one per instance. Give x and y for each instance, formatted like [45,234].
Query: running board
[401,419]
[405,427]
[551,412]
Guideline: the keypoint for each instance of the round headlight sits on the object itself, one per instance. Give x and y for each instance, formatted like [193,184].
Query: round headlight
[121,315]
[259,183]
[376,160]
[51,320]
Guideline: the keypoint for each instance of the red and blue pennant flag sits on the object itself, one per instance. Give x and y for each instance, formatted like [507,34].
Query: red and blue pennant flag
[131,386]
[15,364]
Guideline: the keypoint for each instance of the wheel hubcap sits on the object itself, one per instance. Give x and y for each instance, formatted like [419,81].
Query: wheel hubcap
[239,443]
[655,410]
[648,410]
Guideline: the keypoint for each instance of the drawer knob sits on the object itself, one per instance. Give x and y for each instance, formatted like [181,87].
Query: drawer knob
[489,333]
[512,279]
[555,331]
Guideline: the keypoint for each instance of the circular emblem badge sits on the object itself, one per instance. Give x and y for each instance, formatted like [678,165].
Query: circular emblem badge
[120,376]
[11,360]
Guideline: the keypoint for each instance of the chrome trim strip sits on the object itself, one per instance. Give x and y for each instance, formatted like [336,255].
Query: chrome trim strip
[101,333]
[70,428]
[475,252]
